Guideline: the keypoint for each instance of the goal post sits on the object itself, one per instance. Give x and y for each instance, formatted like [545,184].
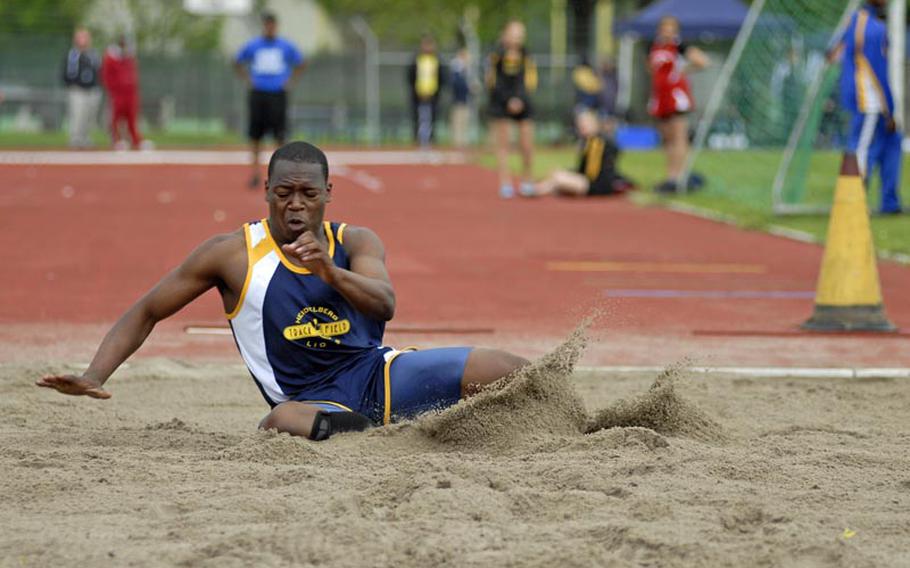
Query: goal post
[772,131]
[787,200]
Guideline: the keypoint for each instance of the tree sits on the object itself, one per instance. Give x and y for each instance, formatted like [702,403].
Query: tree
[402,22]
[45,17]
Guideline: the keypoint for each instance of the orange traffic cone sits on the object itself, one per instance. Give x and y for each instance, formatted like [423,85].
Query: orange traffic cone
[849,296]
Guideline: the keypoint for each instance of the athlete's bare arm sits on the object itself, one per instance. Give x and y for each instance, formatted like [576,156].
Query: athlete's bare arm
[366,286]
[220,261]
[697,59]
[242,71]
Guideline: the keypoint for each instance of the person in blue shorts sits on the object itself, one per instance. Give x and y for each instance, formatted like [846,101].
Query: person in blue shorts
[307,301]
[875,136]
[268,64]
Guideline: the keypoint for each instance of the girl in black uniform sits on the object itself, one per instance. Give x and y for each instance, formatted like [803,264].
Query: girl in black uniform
[596,173]
[511,78]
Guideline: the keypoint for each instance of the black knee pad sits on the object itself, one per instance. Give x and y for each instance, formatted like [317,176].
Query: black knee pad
[327,423]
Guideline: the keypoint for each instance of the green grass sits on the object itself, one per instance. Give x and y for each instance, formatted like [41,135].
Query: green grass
[739,189]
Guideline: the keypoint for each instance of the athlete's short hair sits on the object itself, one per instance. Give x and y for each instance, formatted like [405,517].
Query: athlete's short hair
[301,152]
[269,18]
[668,20]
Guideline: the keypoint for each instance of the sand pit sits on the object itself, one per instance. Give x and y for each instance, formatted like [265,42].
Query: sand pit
[550,469]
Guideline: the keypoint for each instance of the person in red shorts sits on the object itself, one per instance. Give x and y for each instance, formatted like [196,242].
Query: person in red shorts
[121,81]
[671,96]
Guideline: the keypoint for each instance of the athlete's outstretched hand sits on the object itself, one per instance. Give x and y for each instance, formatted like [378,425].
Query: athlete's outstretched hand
[312,255]
[76,386]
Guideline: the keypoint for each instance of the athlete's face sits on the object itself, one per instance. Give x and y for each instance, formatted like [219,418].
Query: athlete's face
[668,30]
[513,36]
[270,28]
[587,124]
[297,194]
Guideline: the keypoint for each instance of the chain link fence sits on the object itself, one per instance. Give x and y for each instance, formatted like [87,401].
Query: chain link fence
[198,93]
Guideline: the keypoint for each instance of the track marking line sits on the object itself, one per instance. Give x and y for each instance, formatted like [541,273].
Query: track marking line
[360,178]
[769,372]
[783,333]
[712,294]
[663,267]
[220,158]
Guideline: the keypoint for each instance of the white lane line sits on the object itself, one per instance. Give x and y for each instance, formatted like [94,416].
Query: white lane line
[220,158]
[713,294]
[768,372]
[361,178]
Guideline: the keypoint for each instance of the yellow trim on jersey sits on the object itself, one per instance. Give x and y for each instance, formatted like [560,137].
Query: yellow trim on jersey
[859,35]
[530,75]
[253,255]
[341,233]
[249,274]
[862,68]
[284,260]
[387,383]
[594,152]
[332,402]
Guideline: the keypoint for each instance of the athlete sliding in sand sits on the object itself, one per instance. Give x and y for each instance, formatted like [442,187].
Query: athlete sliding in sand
[307,301]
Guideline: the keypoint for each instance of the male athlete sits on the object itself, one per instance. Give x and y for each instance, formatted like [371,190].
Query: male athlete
[307,301]
[866,93]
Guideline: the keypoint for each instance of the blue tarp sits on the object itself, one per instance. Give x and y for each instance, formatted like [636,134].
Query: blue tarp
[698,19]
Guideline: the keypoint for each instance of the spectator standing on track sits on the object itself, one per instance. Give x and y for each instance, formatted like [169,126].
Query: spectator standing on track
[511,78]
[671,97]
[865,91]
[80,75]
[268,64]
[461,97]
[121,80]
[426,77]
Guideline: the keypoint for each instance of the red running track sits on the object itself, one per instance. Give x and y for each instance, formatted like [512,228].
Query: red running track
[80,243]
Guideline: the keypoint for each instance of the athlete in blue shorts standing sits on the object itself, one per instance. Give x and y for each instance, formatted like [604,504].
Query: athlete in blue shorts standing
[875,137]
[268,64]
[307,301]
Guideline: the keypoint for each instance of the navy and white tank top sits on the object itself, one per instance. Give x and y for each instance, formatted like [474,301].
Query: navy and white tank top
[300,339]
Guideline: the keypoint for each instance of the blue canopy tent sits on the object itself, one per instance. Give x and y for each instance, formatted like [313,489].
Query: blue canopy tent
[699,19]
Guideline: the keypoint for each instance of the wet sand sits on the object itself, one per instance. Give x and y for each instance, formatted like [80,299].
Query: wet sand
[553,468]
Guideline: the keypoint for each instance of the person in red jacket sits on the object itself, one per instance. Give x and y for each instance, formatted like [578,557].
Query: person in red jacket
[121,80]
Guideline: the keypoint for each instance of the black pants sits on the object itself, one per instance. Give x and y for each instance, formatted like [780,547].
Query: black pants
[268,113]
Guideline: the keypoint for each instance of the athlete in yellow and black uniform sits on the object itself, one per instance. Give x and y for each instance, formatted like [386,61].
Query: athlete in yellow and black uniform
[426,76]
[512,75]
[511,79]
[596,173]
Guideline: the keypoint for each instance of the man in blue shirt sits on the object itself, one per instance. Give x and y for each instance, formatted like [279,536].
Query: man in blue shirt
[865,92]
[267,64]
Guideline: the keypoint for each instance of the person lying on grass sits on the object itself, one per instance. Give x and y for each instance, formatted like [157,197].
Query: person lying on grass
[307,301]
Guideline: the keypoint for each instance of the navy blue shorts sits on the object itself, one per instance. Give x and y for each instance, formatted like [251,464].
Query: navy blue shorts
[411,383]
